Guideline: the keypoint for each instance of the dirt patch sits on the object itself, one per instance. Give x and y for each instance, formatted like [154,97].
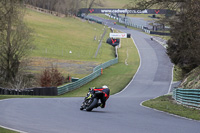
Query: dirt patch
[37,64]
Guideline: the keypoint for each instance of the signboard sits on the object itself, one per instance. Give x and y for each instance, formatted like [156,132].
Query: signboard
[113,42]
[126,11]
[119,35]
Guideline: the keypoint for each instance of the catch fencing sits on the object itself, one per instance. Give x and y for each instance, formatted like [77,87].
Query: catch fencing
[189,97]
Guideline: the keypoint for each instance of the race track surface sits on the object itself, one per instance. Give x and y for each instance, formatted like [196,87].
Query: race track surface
[123,112]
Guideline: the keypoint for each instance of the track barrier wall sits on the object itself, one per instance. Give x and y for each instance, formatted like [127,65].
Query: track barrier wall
[40,91]
[189,97]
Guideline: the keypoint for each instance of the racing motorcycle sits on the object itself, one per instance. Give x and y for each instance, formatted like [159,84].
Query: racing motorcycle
[91,100]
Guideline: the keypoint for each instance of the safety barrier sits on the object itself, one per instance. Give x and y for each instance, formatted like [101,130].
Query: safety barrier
[40,91]
[189,97]
[91,19]
[96,72]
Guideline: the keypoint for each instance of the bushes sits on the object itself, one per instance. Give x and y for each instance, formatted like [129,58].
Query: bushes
[51,77]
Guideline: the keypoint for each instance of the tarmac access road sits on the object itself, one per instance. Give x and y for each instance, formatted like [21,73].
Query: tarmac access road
[123,112]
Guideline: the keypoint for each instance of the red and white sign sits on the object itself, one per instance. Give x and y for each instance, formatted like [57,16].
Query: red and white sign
[118,35]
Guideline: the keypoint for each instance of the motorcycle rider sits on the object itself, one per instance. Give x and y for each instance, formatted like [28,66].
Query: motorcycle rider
[105,95]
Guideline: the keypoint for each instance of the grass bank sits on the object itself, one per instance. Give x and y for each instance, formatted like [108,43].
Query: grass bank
[167,104]
[55,37]
[116,77]
[3,130]
[66,42]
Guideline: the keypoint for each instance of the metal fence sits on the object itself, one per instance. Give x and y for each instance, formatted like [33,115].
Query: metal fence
[96,72]
[91,19]
[190,97]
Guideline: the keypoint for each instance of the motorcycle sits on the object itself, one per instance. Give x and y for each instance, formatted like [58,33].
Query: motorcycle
[91,100]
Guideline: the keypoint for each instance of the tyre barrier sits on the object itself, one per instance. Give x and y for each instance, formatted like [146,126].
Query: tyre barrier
[40,91]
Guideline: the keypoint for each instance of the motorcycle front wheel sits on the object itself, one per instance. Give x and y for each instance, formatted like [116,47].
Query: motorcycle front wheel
[92,105]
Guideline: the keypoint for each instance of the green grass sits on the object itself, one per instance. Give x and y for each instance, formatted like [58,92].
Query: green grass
[177,74]
[167,104]
[55,37]
[117,76]
[2,130]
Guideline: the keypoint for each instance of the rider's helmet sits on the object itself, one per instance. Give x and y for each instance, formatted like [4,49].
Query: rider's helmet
[104,86]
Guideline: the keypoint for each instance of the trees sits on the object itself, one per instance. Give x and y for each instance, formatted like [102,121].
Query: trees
[67,7]
[183,47]
[15,38]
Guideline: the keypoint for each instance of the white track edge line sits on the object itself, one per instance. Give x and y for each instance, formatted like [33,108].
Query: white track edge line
[12,129]
[8,127]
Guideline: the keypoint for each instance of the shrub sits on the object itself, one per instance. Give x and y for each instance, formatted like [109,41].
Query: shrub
[51,77]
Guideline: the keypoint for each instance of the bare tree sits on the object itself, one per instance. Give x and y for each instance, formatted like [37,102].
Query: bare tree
[68,7]
[15,38]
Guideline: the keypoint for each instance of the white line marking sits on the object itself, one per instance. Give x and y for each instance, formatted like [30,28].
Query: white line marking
[12,129]
[8,127]
[171,80]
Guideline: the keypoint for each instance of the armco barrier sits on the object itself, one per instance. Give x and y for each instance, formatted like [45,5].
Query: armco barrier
[189,97]
[91,19]
[96,72]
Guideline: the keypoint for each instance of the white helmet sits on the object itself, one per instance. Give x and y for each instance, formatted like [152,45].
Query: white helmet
[104,86]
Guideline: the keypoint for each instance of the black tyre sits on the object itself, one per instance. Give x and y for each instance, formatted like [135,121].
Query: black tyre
[81,108]
[92,105]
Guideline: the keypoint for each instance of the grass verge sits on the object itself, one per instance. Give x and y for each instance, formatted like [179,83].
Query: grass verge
[167,104]
[66,42]
[3,130]
[178,74]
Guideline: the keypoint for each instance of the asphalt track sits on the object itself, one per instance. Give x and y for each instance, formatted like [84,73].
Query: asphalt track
[123,112]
